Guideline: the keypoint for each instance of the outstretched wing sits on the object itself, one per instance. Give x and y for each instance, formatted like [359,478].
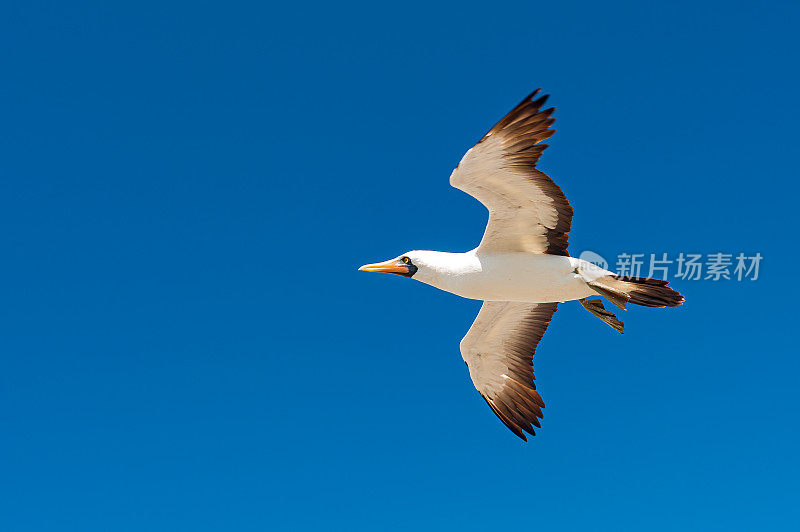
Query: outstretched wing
[498,350]
[527,211]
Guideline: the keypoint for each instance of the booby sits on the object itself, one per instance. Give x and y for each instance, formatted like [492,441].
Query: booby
[521,269]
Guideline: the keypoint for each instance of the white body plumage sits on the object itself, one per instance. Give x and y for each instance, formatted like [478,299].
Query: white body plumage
[525,277]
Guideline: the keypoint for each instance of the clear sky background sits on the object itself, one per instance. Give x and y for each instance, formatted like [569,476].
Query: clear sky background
[187,189]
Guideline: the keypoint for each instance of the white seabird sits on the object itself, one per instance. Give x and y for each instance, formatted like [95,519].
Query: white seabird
[521,269]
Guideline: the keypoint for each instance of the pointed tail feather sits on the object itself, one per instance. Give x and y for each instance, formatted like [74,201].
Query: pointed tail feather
[644,291]
[595,306]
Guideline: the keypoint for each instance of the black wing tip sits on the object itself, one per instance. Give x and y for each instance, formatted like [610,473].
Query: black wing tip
[530,96]
[520,432]
[514,426]
[541,100]
[526,108]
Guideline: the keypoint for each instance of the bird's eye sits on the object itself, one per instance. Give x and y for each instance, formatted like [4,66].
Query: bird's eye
[406,260]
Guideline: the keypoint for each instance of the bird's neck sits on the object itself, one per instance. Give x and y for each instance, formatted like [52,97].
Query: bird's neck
[440,268]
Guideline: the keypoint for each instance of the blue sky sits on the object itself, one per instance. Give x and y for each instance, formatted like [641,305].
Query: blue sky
[187,189]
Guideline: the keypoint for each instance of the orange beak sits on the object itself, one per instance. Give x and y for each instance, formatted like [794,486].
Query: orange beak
[396,266]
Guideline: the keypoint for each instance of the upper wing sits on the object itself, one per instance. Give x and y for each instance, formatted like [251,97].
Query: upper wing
[527,210]
[498,350]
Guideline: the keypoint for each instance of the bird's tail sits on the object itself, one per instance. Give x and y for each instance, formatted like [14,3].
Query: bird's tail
[643,291]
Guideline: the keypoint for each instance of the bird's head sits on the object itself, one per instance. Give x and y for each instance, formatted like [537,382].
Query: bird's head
[429,267]
[406,265]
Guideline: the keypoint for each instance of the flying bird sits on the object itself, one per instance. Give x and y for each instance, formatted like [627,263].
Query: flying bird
[521,269]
